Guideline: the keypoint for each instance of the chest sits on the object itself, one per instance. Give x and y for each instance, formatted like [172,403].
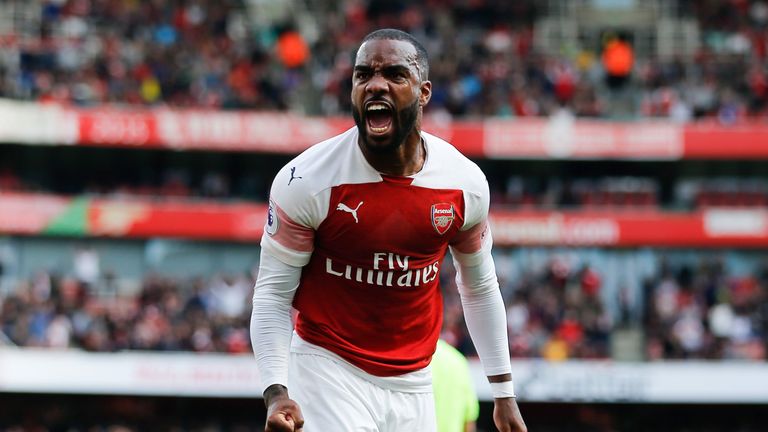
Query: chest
[387,217]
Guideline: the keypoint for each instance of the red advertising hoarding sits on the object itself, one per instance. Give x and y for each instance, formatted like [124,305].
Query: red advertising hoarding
[143,218]
[556,137]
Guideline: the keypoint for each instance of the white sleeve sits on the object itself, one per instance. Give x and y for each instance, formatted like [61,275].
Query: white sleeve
[271,325]
[483,308]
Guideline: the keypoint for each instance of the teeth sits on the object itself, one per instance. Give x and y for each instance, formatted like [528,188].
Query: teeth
[378,107]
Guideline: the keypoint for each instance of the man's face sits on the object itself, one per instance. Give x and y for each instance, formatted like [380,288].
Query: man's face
[387,93]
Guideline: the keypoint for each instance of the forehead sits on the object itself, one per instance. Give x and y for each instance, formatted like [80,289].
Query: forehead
[382,52]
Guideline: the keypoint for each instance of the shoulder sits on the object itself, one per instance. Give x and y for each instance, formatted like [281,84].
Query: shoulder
[302,188]
[318,168]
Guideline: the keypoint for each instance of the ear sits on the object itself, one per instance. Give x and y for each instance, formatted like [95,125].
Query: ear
[426,93]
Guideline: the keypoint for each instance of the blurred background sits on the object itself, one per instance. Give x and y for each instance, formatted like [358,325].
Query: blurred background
[625,143]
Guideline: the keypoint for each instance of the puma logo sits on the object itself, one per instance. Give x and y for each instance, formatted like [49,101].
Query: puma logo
[293,176]
[346,208]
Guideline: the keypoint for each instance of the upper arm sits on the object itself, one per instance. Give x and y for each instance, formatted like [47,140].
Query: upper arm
[474,238]
[294,213]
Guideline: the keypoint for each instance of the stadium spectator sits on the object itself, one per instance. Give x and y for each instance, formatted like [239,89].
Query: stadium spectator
[618,60]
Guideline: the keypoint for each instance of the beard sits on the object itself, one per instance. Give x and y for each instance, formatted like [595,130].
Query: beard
[403,123]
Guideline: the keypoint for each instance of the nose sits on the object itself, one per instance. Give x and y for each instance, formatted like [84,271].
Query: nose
[377,84]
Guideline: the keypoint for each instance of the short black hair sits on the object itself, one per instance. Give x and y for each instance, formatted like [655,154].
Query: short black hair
[395,34]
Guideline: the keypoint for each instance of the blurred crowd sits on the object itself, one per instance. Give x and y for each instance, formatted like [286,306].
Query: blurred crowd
[700,312]
[298,56]
[554,313]
[166,314]
[693,310]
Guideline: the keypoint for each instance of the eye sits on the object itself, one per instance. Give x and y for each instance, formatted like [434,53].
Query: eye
[397,76]
[362,75]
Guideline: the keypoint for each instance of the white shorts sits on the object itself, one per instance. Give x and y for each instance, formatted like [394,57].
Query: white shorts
[332,398]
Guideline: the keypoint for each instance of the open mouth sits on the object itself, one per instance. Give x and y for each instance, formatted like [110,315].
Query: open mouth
[378,116]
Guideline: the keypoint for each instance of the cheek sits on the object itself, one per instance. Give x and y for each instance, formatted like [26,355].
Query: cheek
[406,94]
[357,93]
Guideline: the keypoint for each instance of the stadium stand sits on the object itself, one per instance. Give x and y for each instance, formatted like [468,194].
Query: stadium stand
[690,309]
[239,55]
[580,279]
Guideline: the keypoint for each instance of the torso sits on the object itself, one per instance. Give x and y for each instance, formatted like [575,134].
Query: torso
[370,289]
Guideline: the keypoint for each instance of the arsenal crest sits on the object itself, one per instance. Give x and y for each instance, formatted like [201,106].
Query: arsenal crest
[442,217]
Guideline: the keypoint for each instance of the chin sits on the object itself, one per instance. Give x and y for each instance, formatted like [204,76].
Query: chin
[381,144]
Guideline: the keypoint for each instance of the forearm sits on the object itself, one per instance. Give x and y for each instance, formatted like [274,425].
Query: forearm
[271,325]
[487,323]
[484,311]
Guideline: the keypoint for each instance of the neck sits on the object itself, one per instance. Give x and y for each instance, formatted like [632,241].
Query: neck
[408,159]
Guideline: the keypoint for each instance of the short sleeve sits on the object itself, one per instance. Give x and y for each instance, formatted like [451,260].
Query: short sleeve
[293,215]
[474,239]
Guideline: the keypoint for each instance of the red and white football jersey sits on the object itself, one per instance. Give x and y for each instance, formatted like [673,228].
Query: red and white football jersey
[371,247]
